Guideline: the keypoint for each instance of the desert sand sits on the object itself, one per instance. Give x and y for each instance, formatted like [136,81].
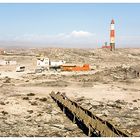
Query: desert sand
[110,90]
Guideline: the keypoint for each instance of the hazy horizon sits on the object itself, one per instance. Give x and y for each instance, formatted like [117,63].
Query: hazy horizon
[37,46]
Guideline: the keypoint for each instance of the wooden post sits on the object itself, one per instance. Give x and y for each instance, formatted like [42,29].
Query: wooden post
[73,118]
[63,109]
[89,133]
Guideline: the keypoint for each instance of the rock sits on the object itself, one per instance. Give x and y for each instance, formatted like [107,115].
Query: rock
[7,80]
[54,112]
[101,105]
[95,103]
[2,103]
[129,131]
[7,102]
[30,111]
[4,112]
[88,106]
[134,100]
[25,98]
[68,128]
[131,123]
[40,112]
[135,108]
[57,126]
[80,99]
[43,99]
[131,108]
[31,94]
[130,103]
[116,120]
[39,115]
[33,103]
[94,106]
[105,113]
[121,102]
[38,119]
[10,122]
[119,107]
[27,117]
[99,115]
[111,104]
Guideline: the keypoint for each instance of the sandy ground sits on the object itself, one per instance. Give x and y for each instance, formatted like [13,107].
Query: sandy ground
[105,91]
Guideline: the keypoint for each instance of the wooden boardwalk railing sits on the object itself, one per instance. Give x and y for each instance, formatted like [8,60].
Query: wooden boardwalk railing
[95,125]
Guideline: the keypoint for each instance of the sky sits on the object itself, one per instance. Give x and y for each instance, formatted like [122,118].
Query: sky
[69,25]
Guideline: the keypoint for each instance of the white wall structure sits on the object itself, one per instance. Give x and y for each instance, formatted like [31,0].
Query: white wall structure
[46,63]
[57,63]
[12,62]
[4,62]
[43,62]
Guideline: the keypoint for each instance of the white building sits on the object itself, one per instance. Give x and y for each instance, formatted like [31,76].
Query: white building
[44,62]
[5,62]
[57,63]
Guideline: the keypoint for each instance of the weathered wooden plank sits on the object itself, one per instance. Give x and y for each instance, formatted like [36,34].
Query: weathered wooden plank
[92,122]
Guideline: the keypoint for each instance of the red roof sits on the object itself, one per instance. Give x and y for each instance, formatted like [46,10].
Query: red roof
[112,21]
[107,47]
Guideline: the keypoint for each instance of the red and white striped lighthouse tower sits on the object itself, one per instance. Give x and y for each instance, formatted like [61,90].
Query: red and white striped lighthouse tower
[112,35]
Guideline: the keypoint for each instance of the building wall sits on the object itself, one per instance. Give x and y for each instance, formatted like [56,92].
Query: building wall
[3,62]
[43,62]
[85,67]
[57,63]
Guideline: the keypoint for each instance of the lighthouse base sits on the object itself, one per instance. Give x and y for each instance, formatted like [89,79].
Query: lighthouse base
[112,46]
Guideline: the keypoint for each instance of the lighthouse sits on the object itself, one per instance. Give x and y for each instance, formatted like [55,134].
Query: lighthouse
[112,35]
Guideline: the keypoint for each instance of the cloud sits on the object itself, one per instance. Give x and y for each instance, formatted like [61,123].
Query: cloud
[80,34]
[57,37]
